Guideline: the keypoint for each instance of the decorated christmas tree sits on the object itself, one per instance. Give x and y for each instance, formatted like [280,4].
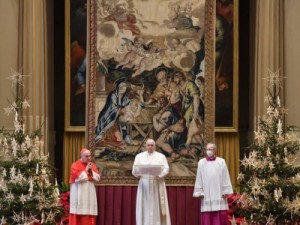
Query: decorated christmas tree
[27,193]
[270,178]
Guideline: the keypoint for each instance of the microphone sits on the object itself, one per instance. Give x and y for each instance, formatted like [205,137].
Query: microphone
[89,167]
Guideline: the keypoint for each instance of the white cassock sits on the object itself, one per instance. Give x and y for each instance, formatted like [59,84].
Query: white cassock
[152,202]
[212,181]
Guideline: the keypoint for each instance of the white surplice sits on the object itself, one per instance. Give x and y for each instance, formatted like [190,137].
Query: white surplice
[212,182]
[83,199]
[152,202]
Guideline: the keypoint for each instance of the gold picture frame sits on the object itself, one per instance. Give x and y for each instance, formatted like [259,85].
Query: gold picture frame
[75,52]
[97,98]
[226,90]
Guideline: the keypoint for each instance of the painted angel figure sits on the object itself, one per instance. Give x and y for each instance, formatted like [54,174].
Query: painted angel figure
[152,58]
[180,17]
[135,48]
[119,11]
[181,53]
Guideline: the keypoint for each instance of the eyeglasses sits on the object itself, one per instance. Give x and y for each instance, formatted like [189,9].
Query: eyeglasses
[150,144]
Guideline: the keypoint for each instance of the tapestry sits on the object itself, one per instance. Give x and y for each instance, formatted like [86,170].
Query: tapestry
[150,83]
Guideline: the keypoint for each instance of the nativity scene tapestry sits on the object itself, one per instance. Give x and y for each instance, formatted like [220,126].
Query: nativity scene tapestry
[147,80]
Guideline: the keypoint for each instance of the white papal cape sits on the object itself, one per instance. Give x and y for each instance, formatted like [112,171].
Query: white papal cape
[152,202]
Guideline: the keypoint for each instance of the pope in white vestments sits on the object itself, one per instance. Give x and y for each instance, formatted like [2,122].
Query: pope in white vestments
[213,185]
[152,202]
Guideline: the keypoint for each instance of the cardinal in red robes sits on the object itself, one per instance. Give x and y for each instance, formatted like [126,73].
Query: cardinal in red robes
[83,199]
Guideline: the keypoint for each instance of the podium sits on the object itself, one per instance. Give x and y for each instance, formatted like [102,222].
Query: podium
[153,170]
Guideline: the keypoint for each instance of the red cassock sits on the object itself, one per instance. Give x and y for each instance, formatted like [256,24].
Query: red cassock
[83,199]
